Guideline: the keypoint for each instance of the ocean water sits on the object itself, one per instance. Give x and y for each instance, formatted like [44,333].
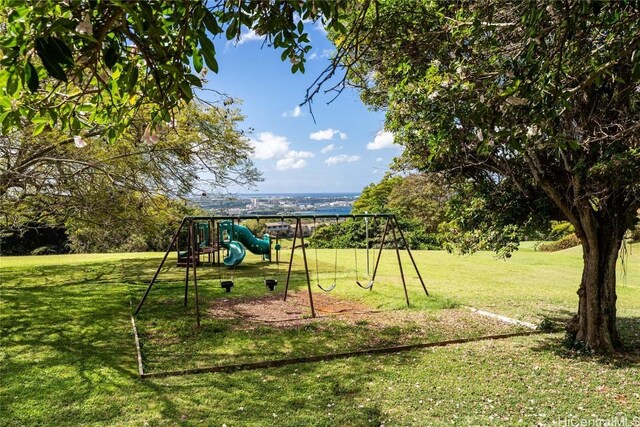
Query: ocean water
[337,210]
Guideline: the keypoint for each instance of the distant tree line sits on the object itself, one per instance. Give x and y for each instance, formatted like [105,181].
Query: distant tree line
[417,200]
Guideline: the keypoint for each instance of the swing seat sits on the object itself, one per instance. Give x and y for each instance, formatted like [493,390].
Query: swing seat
[368,286]
[227,285]
[271,283]
[329,289]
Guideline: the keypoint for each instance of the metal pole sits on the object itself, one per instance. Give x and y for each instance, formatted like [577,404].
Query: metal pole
[293,248]
[366,227]
[375,268]
[189,256]
[306,269]
[194,244]
[411,256]
[404,284]
[155,276]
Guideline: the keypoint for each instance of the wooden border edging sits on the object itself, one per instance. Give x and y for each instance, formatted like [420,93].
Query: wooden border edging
[283,362]
[138,353]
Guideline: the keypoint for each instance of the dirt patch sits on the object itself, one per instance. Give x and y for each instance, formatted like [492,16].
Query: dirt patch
[273,311]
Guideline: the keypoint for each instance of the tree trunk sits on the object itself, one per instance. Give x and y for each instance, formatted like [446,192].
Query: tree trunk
[594,326]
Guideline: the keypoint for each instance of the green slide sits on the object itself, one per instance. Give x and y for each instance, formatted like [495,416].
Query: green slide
[233,235]
[236,254]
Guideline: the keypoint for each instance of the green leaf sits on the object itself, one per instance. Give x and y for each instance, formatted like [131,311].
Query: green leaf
[194,80]
[232,29]
[39,128]
[111,57]
[197,61]
[40,119]
[49,60]
[206,43]
[4,115]
[208,50]
[62,50]
[133,79]
[31,77]
[12,84]
[211,23]
[210,59]
[284,55]
[185,88]
[111,135]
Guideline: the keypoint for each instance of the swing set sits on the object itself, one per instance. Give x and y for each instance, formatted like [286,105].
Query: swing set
[391,223]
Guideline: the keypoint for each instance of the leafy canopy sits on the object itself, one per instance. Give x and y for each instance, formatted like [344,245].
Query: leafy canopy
[54,179]
[532,104]
[83,65]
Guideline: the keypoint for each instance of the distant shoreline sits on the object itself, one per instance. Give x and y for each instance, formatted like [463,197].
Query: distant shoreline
[337,203]
[327,195]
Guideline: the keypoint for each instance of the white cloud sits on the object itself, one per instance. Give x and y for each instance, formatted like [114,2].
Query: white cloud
[294,160]
[323,135]
[290,163]
[327,53]
[314,55]
[296,112]
[327,134]
[342,158]
[299,154]
[269,146]
[382,140]
[328,148]
[379,159]
[320,27]
[248,36]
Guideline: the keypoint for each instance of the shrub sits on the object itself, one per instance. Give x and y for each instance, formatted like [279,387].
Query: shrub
[560,229]
[44,250]
[565,243]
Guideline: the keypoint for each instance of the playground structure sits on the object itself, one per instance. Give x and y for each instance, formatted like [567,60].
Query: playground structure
[234,237]
[210,237]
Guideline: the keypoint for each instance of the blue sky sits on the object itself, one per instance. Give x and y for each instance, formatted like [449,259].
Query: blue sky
[344,150]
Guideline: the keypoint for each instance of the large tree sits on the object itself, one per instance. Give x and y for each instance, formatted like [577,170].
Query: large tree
[52,179]
[533,103]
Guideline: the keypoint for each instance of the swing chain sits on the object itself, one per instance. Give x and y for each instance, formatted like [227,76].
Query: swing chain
[335,268]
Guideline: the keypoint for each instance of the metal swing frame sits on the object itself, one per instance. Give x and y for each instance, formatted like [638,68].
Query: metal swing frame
[192,252]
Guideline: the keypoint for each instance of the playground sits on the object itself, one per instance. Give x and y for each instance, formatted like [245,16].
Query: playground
[68,347]
[327,309]
[209,235]
[251,322]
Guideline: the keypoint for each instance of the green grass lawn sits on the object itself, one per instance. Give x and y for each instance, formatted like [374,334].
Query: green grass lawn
[67,355]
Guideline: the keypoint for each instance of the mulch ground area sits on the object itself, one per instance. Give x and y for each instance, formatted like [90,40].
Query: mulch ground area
[272,310]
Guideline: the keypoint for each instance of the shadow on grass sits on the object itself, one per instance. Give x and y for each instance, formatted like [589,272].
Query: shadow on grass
[65,340]
[64,331]
[628,327]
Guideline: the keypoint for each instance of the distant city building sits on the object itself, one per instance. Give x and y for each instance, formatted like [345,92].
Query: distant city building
[280,229]
[274,204]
